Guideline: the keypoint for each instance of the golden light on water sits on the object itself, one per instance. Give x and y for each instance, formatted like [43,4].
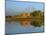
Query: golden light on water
[25,23]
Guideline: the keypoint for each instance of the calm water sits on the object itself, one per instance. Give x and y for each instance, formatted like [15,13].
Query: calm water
[15,27]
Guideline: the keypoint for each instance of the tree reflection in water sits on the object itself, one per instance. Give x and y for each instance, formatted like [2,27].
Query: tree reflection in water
[25,23]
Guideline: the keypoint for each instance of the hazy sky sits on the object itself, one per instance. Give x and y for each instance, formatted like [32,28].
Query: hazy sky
[13,7]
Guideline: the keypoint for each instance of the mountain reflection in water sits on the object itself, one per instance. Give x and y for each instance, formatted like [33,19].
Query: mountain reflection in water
[21,27]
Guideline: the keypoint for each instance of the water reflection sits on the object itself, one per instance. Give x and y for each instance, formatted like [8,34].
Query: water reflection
[21,26]
[17,27]
[28,22]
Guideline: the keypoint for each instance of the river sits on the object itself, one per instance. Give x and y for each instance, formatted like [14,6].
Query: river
[15,27]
